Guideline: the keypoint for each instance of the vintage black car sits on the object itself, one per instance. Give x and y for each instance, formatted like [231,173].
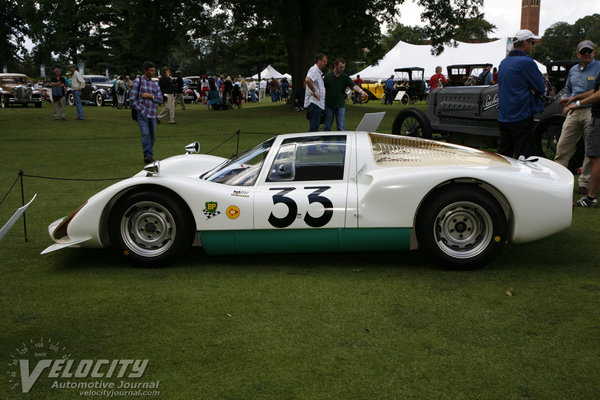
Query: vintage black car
[469,115]
[98,90]
[558,71]
[464,74]
[409,85]
[14,89]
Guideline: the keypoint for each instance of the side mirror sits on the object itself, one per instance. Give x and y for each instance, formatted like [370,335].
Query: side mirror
[193,148]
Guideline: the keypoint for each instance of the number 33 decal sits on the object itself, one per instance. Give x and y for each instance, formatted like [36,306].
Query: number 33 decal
[314,197]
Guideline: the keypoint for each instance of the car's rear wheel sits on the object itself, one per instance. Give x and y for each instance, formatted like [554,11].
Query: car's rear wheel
[412,122]
[461,227]
[151,229]
[98,99]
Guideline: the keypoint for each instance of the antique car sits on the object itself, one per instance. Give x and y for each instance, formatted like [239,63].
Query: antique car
[464,74]
[15,89]
[409,85]
[98,90]
[468,115]
[558,71]
[326,192]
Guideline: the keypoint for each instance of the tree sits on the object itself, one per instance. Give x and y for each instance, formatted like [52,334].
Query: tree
[560,40]
[12,33]
[474,30]
[342,28]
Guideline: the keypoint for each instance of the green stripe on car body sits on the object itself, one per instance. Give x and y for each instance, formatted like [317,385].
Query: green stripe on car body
[305,240]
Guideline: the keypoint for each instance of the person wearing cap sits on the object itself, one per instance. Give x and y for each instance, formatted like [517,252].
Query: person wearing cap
[581,79]
[520,86]
[77,84]
[592,139]
[167,88]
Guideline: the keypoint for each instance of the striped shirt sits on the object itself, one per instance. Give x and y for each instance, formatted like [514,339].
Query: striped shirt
[145,106]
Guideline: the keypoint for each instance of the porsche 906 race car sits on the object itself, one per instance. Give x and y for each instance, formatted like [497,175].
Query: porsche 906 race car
[327,192]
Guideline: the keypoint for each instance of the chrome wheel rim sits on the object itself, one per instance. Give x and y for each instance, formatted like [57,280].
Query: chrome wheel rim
[98,99]
[148,229]
[463,229]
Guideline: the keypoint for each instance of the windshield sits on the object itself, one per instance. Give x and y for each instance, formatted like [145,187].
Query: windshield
[242,170]
[99,79]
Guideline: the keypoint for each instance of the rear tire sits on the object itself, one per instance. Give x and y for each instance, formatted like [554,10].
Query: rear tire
[461,227]
[412,122]
[151,229]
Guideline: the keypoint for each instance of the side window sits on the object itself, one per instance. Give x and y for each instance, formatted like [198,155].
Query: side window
[315,158]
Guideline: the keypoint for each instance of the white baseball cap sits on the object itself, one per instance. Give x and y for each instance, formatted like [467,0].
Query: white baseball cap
[524,34]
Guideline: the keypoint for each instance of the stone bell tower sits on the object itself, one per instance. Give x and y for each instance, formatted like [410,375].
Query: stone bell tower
[530,15]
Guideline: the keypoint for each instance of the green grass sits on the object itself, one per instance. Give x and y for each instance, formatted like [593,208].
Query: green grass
[359,326]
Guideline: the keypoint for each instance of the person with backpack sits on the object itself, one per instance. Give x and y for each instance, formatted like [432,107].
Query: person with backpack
[438,80]
[486,77]
[120,89]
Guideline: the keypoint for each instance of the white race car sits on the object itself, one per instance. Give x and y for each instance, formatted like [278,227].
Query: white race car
[327,192]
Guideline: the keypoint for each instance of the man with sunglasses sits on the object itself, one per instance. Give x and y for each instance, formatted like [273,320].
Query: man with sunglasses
[581,79]
[519,89]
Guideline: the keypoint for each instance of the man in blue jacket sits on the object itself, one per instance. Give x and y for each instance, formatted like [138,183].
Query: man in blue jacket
[521,84]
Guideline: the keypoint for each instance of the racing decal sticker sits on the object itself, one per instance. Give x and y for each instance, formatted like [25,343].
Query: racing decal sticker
[232,212]
[211,209]
[241,193]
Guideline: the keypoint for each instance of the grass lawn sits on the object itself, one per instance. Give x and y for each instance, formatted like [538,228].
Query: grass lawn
[356,326]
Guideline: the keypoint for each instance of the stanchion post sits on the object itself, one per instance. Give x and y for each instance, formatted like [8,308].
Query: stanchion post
[23,203]
[237,146]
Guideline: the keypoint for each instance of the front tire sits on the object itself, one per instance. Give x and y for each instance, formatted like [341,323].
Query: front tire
[70,99]
[98,99]
[3,101]
[412,122]
[462,227]
[151,229]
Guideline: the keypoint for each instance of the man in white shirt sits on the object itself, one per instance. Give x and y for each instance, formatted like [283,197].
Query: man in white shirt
[314,97]
[77,84]
[262,90]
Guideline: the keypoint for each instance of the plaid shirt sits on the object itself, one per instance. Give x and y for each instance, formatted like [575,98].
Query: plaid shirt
[145,106]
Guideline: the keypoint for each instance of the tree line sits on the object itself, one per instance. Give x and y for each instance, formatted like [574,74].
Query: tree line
[232,36]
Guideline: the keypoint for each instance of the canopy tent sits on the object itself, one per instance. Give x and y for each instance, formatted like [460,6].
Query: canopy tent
[405,54]
[271,72]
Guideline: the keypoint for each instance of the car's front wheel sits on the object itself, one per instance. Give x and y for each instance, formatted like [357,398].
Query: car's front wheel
[70,99]
[98,99]
[3,101]
[461,227]
[412,122]
[151,229]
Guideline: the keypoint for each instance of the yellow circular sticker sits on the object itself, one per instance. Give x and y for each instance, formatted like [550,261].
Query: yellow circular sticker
[233,212]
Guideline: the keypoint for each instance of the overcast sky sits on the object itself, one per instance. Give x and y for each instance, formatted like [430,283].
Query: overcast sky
[506,14]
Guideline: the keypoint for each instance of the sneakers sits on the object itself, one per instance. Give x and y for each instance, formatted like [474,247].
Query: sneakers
[586,201]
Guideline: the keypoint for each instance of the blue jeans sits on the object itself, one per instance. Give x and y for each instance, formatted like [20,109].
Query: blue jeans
[314,117]
[356,98]
[77,101]
[340,118]
[148,130]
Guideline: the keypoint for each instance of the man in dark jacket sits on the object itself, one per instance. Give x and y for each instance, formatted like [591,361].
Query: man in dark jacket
[521,84]
[167,88]
[179,90]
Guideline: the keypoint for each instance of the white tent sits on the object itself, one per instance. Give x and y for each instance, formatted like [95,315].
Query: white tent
[271,72]
[409,55]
